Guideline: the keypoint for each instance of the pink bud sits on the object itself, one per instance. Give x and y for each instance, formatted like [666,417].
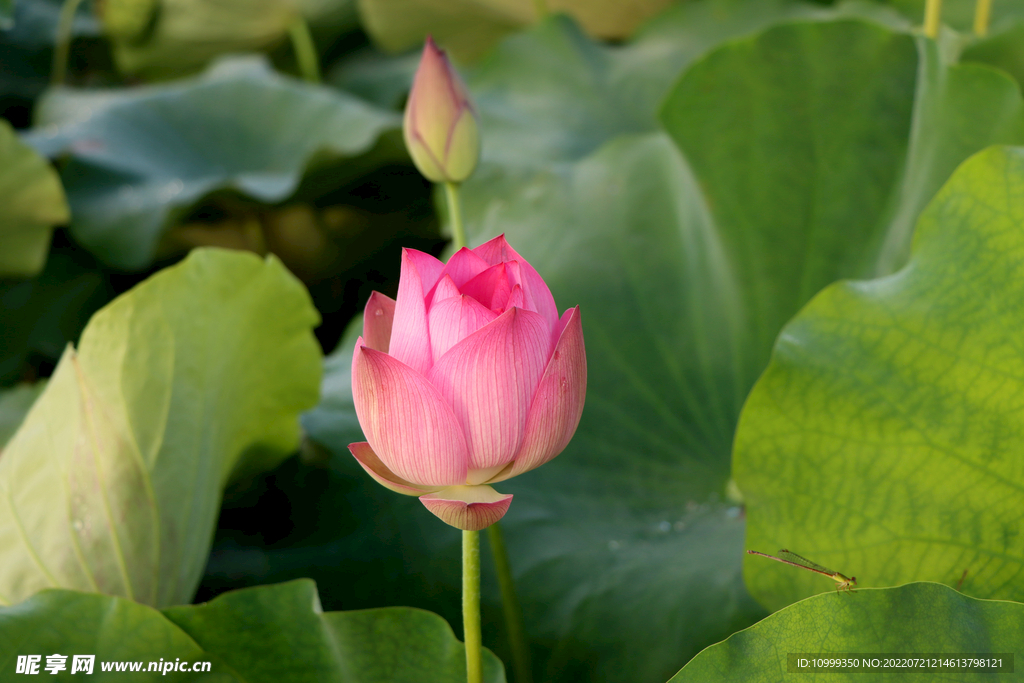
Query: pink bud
[468,379]
[440,126]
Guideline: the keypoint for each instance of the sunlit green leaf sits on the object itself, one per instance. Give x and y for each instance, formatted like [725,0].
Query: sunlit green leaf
[288,637]
[915,619]
[31,203]
[271,633]
[882,440]
[113,481]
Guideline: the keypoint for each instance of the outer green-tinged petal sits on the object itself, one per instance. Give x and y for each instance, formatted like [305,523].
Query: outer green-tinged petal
[463,148]
[469,508]
[489,379]
[373,465]
[406,421]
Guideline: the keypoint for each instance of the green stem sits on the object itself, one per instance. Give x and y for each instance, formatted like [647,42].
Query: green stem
[510,603]
[65,22]
[455,212]
[982,10]
[305,49]
[471,604]
[541,8]
[932,16]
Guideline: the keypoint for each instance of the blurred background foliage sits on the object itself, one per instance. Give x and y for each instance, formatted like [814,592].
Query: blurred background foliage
[614,135]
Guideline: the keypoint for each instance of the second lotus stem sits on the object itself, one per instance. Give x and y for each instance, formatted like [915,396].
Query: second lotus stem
[932,18]
[982,11]
[305,49]
[62,43]
[510,604]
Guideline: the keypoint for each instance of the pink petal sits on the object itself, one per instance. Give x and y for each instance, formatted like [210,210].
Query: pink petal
[365,456]
[470,508]
[378,317]
[491,287]
[489,379]
[406,421]
[462,267]
[516,299]
[445,289]
[454,319]
[410,337]
[498,250]
[558,403]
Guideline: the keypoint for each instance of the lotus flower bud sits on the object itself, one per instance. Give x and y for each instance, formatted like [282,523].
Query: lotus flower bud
[471,377]
[440,125]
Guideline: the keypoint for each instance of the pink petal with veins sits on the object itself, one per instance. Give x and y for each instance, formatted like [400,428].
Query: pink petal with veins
[470,508]
[378,317]
[498,250]
[410,337]
[454,319]
[406,421]
[369,461]
[558,404]
[491,288]
[489,380]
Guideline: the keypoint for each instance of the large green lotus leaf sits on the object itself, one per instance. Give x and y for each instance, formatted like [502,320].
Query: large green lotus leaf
[31,202]
[112,629]
[141,157]
[914,619]
[14,404]
[260,635]
[1004,50]
[883,438]
[687,250]
[287,636]
[113,481]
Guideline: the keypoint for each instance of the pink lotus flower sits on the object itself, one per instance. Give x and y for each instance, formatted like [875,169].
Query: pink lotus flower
[470,378]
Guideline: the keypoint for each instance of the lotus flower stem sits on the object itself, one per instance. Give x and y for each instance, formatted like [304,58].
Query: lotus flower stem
[982,10]
[455,213]
[471,604]
[932,17]
[62,46]
[305,49]
[510,605]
